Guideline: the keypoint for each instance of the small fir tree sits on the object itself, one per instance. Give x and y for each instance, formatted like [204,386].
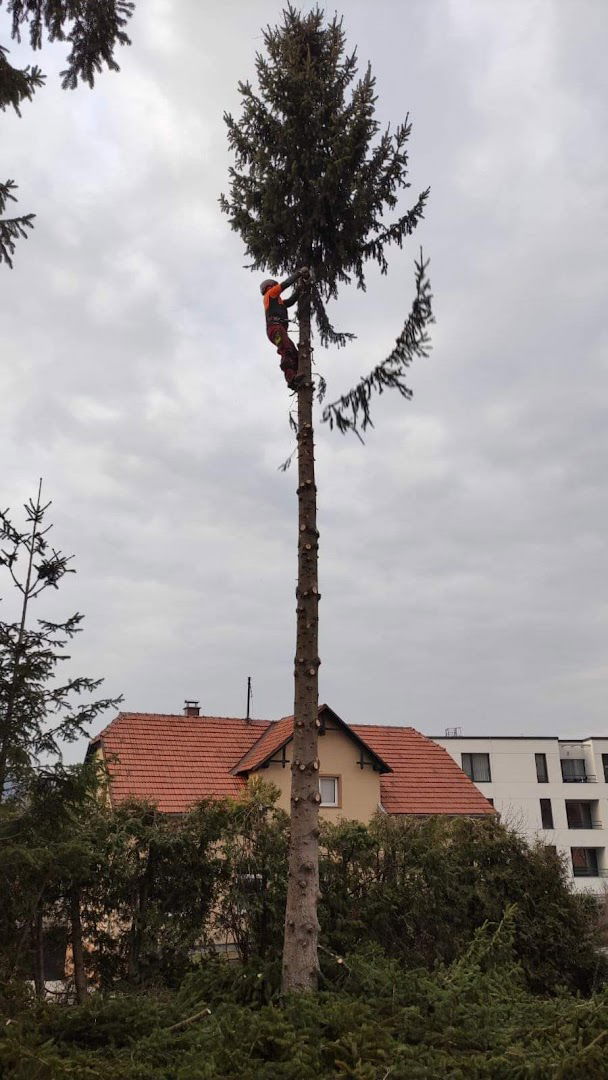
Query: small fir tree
[312,182]
[38,711]
[48,849]
[93,30]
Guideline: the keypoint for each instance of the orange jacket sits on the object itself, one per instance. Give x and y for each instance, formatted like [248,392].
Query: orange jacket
[275,306]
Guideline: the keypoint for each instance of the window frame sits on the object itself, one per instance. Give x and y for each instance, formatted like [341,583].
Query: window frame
[577,777]
[546,814]
[471,774]
[541,759]
[582,808]
[591,868]
[337,789]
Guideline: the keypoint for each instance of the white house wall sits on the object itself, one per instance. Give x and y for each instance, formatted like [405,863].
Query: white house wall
[516,792]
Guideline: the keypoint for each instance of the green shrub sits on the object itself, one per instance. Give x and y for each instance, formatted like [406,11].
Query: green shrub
[156,895]
[473,1019]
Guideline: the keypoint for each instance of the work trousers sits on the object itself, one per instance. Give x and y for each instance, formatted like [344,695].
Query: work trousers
[277,333]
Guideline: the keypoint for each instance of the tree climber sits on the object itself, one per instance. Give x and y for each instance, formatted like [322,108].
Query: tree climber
[277,321]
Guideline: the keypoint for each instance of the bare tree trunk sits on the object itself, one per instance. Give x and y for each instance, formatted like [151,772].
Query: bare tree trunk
[80,978]
[140,917]
[39,982]
[300,960]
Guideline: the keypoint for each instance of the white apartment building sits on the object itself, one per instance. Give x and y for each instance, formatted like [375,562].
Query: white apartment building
[552,788]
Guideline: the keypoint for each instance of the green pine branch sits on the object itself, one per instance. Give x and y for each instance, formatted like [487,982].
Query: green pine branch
[94,29]
[327,333]
[11,229]
[97,30]
[351,412]
[91,27]
[17,84]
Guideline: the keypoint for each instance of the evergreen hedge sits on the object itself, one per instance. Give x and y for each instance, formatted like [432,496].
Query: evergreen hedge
[474,1019]
[156,893]
[449,948]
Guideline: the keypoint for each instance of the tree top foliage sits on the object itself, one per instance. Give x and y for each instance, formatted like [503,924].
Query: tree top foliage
[39,710]
[316,182]
[310,184]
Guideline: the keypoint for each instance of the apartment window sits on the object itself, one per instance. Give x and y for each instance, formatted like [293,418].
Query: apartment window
[546,813]
[329,789]
[584,862]
[477,767]
[542,774]
[605,764]
[579,814]
[573,770]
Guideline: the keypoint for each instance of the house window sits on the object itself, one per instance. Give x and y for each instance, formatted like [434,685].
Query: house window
[477,767]
[329,789]
[573,770]
[605,764]
[584,862]
[546,813]
[578,814]
[541,768]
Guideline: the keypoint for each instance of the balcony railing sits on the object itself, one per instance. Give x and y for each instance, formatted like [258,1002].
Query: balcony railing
[587,825]
[589,779]
[589,872]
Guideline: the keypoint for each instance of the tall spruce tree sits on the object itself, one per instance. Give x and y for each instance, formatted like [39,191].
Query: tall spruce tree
[38,710]
[93,30]
[312,182]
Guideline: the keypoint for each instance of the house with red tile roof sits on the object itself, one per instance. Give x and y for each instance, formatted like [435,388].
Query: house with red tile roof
[173,761]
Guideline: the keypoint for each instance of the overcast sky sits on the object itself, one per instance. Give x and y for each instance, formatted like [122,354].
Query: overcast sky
[463,548]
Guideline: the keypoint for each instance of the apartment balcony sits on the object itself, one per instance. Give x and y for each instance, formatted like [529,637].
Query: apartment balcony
[583,814]
[588,825]
[588,779]
[574,770]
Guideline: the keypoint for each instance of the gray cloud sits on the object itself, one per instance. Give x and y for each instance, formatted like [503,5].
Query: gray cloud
[463,552]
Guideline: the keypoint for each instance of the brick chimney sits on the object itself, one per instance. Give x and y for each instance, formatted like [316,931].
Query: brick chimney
[191,708]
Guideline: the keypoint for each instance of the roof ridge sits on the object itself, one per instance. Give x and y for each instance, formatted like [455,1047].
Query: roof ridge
[175,716]
[201,716]
[391,727]
[271,724]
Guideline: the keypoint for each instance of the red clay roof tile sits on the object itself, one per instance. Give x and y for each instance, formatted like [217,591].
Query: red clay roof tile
[424,778]
[279,733]
[275,736]
[174,761]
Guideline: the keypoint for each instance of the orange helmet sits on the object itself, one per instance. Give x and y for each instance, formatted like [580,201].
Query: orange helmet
[267,284]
